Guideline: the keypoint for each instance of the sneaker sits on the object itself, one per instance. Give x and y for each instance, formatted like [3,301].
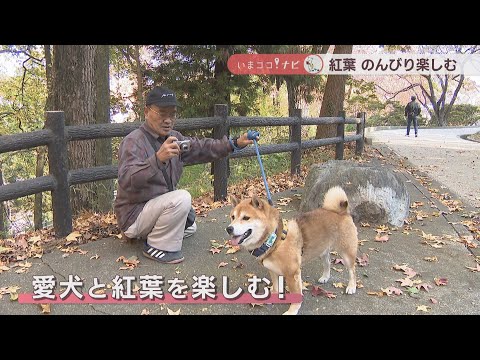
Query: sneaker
[407,135]
[165,257]
[190,230]
[416,135]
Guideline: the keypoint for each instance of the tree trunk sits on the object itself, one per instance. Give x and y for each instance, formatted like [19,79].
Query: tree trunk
[222,76]
[103,147]
[291,95]
[333,97]
[75,94]
[41,151]
[3,226]
[140,101]
[38,204]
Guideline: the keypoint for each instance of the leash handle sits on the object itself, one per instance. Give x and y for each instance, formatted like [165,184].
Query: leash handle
[252,134]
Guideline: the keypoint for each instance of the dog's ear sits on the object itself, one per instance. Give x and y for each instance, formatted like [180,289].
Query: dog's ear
[256,202]
[233,200]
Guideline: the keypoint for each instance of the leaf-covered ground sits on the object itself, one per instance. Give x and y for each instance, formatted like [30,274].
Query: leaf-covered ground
[91,226]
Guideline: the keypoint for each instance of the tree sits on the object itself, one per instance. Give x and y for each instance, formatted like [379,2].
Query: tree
[22,108]
[436,91]
[103,147]
[78,71]
[333,98]
[41,150]
[3,224]
[126,62]
[200,77]
[301,90]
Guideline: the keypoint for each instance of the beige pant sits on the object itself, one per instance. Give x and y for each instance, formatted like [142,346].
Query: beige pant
[162,221]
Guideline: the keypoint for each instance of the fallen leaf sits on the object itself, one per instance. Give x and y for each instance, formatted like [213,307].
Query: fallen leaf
[424,286]
[13,296]
[383,238]
[392,290]
[240,265]
[474,269]
[430,258]
[94,257]
[363,260]
[362,224]
[233,249]
[147,312]
[73,236]
[409,272]
[407,282]
[256,304]
[433,301]
[45,308]
[339,285]
[376,293]
[339,261]
[4,249]
[423,308]
[171,312]
[440,281]
[402,267]
[305,285]
[214,250]
[131,263]
[222,264]
[318,291]
[416,204]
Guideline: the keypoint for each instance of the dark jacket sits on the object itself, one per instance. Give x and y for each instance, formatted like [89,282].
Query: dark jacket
[140,178]
[412,109]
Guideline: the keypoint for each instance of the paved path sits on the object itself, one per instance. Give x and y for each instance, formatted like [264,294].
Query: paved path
[442,154]
[406,245]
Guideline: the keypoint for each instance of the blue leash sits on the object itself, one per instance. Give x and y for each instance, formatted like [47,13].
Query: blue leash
[252,135]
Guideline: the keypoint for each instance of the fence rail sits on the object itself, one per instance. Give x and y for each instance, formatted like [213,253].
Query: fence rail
[56,136]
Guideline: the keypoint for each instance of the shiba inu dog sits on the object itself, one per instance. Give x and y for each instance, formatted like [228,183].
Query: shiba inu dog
[257,226]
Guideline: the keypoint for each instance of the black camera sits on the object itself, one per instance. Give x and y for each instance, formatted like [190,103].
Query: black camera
[184,145]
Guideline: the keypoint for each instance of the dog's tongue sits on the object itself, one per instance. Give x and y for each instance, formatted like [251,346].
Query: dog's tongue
[235,239]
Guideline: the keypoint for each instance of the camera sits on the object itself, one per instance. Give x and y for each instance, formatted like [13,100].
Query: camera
[184,145]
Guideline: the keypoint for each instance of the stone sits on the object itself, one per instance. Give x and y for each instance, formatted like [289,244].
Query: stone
[375,193]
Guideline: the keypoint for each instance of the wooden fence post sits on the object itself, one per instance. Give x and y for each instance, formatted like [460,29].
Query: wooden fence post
[359,143]
[58,165]
[340,133]
[221,165]
[296,137]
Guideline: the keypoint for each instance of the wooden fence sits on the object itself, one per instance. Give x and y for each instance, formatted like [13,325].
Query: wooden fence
[56,135]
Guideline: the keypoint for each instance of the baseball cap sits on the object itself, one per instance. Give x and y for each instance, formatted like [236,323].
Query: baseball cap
[161,96]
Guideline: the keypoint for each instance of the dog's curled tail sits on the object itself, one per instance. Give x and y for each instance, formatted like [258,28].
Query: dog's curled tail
[336,200]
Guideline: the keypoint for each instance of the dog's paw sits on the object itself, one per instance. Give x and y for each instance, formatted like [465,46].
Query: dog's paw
[351,290]
[323,279]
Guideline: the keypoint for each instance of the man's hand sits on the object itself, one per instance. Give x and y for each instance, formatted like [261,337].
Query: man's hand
[243,140]
[168,150]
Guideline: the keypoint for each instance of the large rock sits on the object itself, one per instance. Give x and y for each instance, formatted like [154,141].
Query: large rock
[376,194]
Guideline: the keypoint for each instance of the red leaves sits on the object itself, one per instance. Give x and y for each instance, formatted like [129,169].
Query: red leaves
[318,291]
[214,250]
[381,238]
[440,281]
[363,260]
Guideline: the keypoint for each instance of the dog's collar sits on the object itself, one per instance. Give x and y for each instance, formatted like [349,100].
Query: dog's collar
[267,244]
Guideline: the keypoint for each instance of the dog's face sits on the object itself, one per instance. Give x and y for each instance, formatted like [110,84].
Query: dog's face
[251,222]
